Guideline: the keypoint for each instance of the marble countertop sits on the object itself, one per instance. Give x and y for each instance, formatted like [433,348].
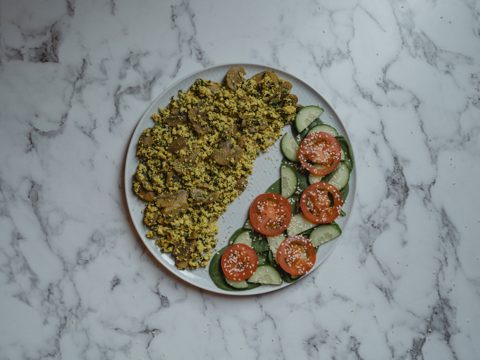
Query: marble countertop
[75,77]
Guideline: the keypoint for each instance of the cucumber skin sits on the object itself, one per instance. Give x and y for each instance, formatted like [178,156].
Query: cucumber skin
[334,224]
[312,179]
[300,124]
[289,231]
[300,135]
[265,283]
[349,160]
[284,147]
[235,235]
[286,169]
[235,286]
[273,243]
[344,192]
[330,176]
[332,132]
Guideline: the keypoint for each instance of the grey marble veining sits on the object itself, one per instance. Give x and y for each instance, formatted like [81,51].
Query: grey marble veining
[75,77]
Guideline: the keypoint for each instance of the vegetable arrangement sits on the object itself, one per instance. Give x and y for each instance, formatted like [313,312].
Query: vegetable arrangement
[287,224]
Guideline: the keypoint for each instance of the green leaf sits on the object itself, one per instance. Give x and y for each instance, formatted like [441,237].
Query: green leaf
[260,244]
[275,187]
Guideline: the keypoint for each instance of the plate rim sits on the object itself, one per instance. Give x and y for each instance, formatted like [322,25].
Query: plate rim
[127,178]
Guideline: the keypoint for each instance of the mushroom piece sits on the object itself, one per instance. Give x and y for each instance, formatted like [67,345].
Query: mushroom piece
[268,73]
[194,117]
[241,184]
[200,196]
[226,153]
[145,195]
[175,120]
[273,76]
[258,76]
[292,98]
[286,85]
[147,140]
[234,77]
[177,145]
[172,203]
[171,178]
[243,120]
[191,156]
[214,87]
[175,117]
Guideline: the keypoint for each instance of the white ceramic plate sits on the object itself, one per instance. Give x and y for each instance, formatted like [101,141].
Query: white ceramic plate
[266,171]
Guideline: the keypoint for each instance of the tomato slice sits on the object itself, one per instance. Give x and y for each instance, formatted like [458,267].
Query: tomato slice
[316,204]
[270,214]
[296,255]
[319,153]
[239,262]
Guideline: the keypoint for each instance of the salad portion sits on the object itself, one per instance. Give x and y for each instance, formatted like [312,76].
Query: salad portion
[296,215]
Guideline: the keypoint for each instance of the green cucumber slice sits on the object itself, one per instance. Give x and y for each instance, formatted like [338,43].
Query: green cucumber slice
[237,284]
[306,116]
[274,242]
[345,192]
[339,178]
[324,233]
[298,225]
[266,275]
[289,147]
[324,128]
[243,238]
[347,155]
[289,180]
[312,179]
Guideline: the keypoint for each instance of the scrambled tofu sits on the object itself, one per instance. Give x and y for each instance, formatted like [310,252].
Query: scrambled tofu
[197,157]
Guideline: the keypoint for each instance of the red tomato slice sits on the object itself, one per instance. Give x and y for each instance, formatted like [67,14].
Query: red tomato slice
[296,255]
[316,205]
[239,262]
[270,214]
[319,153]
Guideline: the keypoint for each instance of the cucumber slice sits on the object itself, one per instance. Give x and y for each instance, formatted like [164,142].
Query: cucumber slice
[237,284]
[345,192]
[324,128]
[339,178]
[298,225]
[312,179]
[266,275]
[274,242]
[324,233]
[346,152]
[247,225]
[306,116]
[289,180]
[289,147]
[243,238]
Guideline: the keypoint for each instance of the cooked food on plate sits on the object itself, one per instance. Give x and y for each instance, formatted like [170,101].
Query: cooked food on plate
[196,158]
